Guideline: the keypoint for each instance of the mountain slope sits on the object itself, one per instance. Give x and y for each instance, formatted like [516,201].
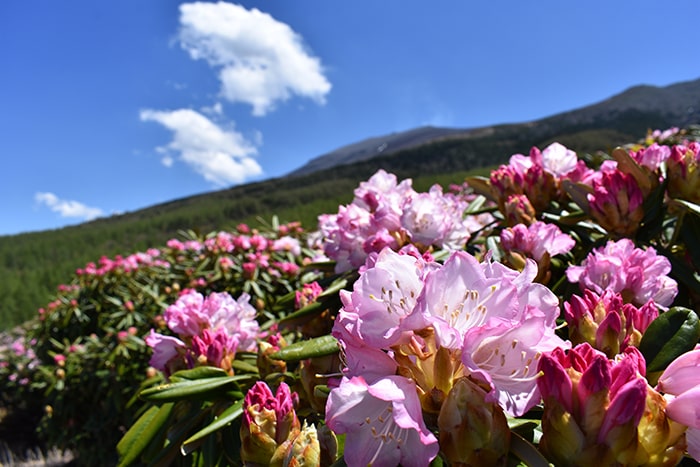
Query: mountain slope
[678,103]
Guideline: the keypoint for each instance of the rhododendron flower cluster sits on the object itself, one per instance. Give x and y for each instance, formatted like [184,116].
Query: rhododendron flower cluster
[538,176]
[616,203]
[539,241]
[130,263]
[599,411]
[638,274]
[405,329]
[385,213]
[211,330]
[606,322]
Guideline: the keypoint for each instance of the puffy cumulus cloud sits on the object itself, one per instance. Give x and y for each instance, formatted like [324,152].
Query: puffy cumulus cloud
[68,208]
[261,60]
[221,157]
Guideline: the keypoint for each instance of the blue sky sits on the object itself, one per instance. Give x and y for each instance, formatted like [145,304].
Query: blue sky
[110,107]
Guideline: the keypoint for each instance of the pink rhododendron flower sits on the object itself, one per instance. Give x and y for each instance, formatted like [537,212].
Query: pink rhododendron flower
[237,317]
[538,175]
[382,422]
[692,437]
[288,244]
[606,322]
[616,203]
[384,214]
[185,316]
[166,349]
[593,405]
[556,159]
[680,383]
[215,348]
[505,354]
[214,328]
[359,358]
[307,294]
[383,296]
[269,422]
[537,239]
[639,275]
[652,156]
[477,293]
[435,219]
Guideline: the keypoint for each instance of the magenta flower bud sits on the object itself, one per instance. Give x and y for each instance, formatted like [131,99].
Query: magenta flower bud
[307,294]
[302,451]
[592,417]
[616,203]
[215,348]
[268,422]
[684,172]
[606,322]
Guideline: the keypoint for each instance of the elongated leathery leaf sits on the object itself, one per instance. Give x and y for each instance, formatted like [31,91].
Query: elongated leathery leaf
[139,436]
[199,372]
[317,347]
[226,417]
[198,388]
[668,336]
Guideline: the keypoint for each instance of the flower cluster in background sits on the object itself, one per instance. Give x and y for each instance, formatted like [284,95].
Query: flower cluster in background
[385,213]
[211,329]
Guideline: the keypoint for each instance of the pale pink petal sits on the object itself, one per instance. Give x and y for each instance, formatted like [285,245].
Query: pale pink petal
[682,374]
[692,437]
[685,408]
[165,348]
[383,423]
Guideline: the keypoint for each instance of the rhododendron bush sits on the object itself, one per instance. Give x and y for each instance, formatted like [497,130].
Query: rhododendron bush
[545,314]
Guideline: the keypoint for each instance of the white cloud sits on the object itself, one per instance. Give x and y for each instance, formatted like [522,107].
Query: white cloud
[68,208]
[221,157]
[261,60]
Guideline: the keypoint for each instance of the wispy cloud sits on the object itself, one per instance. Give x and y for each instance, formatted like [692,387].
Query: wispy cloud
[261,60]
[221,156]
[68,208]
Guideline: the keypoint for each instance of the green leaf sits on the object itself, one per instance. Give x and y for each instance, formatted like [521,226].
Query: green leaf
[626,164]
[226,417]
[147,427]
[692,207]
[526,451]
[481,185]
[671,334]
[198,373]
[578,192]
[317,347]
[690,233]
[243,366]
[309,310]
[186,389]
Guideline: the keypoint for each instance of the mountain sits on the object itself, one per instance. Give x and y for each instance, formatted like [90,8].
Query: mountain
[33,264]
[372,147]
[678,103]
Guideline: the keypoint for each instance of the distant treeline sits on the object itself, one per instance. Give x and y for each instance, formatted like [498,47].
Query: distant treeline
[32,265]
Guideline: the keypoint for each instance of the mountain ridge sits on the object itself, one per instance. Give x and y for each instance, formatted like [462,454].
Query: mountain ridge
[666,100]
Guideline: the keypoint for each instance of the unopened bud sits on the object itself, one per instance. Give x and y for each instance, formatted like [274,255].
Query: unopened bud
[472,431]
